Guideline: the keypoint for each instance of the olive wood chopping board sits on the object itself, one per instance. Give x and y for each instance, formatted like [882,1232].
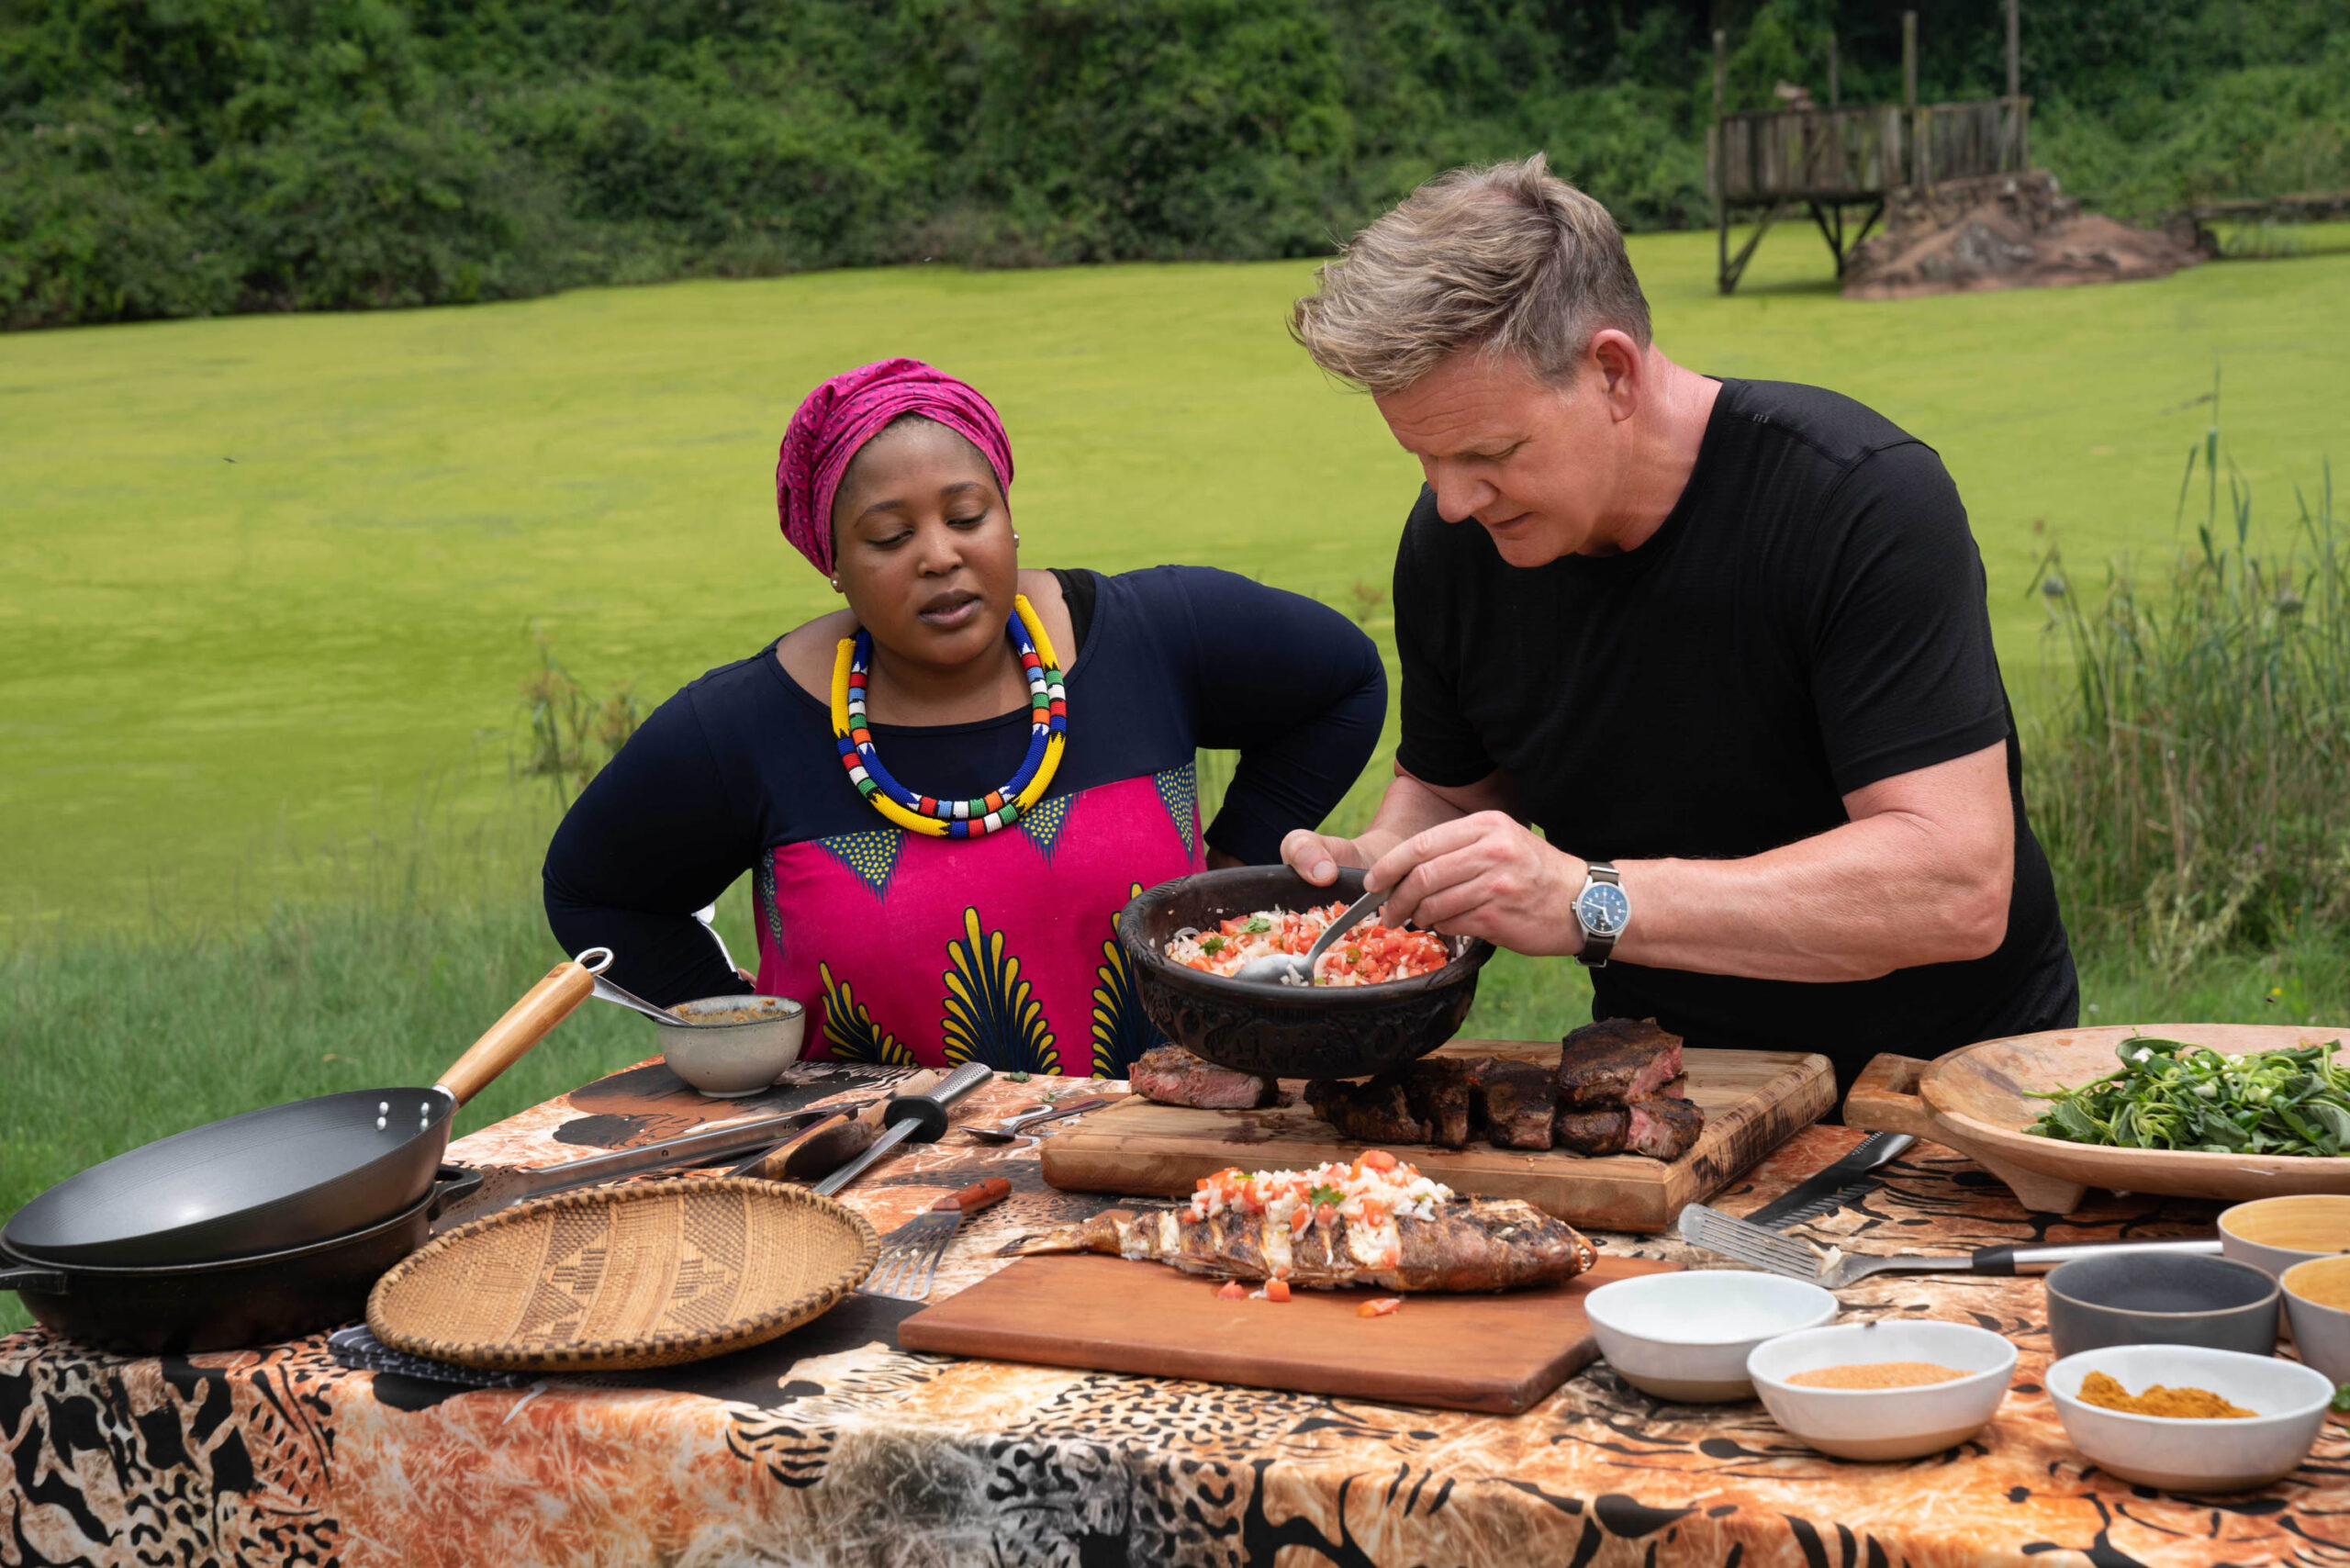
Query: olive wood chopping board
[1499,1354]
[1754,1101]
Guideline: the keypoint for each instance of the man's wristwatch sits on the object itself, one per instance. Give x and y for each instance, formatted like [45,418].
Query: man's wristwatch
[1603,910]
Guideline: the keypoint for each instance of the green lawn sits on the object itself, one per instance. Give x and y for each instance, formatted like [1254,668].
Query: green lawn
[261,578]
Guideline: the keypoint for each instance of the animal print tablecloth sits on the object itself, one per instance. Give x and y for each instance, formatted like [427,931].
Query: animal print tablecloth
[830,1446]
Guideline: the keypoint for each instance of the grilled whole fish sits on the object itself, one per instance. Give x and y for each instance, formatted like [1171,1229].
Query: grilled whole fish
[1484,1244]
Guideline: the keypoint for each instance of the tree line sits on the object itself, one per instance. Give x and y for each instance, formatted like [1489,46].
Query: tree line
[164,158]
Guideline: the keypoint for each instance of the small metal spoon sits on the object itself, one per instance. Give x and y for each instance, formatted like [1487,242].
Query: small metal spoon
[608,991]
[1016,1127]
[1276,968]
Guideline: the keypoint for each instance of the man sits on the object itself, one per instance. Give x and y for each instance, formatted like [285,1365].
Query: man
[1723,642]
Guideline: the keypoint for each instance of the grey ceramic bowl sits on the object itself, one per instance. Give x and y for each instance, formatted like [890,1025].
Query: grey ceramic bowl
[1284,1031]
[2161,1298]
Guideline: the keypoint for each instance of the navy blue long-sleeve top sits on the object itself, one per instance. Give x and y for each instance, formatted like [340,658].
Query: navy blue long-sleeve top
[743,760]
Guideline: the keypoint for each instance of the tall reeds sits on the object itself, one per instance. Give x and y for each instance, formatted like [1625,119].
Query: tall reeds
[2188,777]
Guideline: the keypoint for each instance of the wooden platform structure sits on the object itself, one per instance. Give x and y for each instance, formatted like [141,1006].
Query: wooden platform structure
[1827,161]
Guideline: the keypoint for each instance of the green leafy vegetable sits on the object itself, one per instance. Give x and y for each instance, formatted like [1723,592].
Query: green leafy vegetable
[2170,1094]
[1211,945]
[2342,1399]
[1258,926]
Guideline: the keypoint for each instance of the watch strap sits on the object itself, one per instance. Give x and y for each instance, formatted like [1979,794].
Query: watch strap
[1595,945]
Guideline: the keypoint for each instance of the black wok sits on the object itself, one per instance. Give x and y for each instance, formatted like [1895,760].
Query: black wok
[230,1303]
[286,1176]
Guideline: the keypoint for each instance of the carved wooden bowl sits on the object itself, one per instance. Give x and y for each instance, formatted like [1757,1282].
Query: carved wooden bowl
[1978,1101]
[1285,1031]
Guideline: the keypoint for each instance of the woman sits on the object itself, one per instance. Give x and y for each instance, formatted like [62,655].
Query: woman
[941,823]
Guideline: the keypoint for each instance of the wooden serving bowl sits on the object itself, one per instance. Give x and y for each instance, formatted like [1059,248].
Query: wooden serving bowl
[1977,1101]
[1279,1031]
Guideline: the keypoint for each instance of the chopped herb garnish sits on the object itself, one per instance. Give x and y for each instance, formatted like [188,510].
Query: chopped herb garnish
[1258,926]
[1211,945]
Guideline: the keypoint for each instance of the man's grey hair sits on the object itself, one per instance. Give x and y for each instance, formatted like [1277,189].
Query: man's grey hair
[1510,259]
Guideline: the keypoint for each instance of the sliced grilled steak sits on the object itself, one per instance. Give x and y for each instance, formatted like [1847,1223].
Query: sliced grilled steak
[1173,1076]
[1517,1101]
[1440,1091]
[1663,1127]
[1373,1110]
[1593,1132]
[1615,1062]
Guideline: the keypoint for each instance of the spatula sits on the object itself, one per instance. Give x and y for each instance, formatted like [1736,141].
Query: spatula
[1833,1270]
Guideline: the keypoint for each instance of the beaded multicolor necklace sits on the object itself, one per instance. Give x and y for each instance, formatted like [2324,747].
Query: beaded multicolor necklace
[1049,716]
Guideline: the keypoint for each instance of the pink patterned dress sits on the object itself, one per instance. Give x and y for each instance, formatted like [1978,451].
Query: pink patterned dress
[1000,949]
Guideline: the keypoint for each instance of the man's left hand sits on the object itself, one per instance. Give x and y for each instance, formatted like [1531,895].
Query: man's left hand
[1484,875]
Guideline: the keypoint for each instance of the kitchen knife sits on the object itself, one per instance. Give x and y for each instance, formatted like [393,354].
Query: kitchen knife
[921,1117]
[1830,1189]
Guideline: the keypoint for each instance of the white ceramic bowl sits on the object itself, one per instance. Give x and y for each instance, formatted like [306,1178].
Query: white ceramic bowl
[1884,1423]
[2274,1233]
[1685,1336]
[2320,1333]
[727,1061]
[2228,1454]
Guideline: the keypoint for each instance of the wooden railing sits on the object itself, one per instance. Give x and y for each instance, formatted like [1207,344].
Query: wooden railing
[1827,155]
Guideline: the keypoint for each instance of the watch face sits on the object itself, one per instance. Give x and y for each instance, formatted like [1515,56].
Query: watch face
[1603,909]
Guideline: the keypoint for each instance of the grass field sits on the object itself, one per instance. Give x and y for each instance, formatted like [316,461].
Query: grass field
[261,579]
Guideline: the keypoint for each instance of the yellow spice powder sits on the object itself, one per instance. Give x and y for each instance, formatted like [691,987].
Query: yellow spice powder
[2179,1403]
[1878,1374]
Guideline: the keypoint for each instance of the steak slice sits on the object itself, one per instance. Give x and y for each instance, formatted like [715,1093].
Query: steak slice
[1441,1092]
[1663,1127]
[1518,1100]
[1374,1111]
[1615,1062]
[1593,1132]
[1173,1076]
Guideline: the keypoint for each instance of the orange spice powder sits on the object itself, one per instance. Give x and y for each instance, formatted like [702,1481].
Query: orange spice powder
[1878,1374]
[2179,1403]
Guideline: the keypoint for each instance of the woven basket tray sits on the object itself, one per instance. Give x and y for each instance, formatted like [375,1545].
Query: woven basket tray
[646,1274]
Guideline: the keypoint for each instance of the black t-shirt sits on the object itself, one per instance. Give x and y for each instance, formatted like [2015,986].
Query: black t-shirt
[1808,620]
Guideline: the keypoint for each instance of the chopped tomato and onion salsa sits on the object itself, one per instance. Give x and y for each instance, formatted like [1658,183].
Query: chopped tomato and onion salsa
[1368,954]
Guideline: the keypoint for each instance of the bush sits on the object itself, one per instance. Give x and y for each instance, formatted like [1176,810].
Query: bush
[2188,789]
[179,157]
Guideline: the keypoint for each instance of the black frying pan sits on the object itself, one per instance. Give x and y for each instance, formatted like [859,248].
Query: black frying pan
[231,1303]
[283,1177]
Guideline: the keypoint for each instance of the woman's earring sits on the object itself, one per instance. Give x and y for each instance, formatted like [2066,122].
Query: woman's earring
[1016,539]
[836,584]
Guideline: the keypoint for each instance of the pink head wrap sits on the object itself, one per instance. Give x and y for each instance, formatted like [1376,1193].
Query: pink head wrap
[849,410]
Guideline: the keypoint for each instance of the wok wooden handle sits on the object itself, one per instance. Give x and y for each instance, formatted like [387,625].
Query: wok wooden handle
[1885,1098]
[976,1196]
[526,1023]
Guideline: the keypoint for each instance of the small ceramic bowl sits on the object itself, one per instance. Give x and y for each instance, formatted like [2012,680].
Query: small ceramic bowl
[1685,1336]
[2161,1298]
[2228,1454]
[2274,1233]
[2320,1327]
[1884,1423]
[727,1061]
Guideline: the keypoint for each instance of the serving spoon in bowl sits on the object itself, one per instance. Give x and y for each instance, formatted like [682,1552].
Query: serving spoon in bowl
[1276,968]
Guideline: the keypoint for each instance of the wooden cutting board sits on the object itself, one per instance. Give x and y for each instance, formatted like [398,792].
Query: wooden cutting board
[1499,1354]
[1754,1101]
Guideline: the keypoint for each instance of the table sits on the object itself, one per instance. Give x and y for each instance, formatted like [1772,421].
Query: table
[832,1446]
